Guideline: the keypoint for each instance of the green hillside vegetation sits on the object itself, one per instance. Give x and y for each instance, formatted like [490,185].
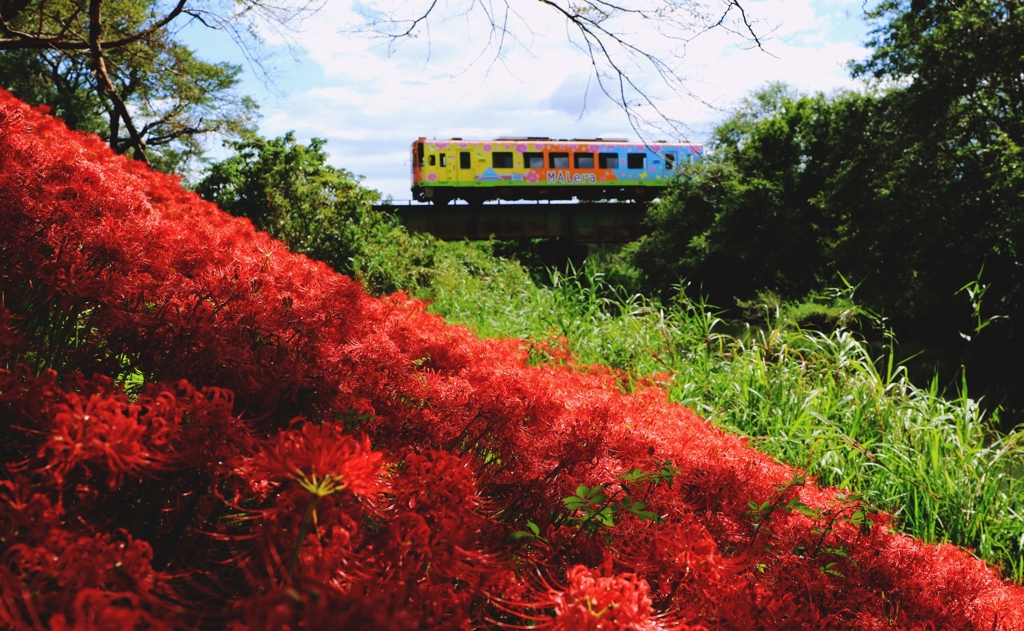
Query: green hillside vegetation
[817,400]
[906,197]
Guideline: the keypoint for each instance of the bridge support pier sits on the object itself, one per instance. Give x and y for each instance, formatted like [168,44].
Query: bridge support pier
[575,224]
[559,253]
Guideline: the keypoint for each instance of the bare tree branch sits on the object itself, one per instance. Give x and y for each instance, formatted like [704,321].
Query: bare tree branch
[417,21]
[620,60]
[21,40]
[96,50]
[123,44]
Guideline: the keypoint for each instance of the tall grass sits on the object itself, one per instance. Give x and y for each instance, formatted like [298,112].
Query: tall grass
[818,401]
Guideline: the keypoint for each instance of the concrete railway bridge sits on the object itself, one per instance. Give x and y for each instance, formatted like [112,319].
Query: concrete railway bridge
[572,223]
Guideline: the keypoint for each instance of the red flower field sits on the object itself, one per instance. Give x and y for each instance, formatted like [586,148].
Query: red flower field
[303,455]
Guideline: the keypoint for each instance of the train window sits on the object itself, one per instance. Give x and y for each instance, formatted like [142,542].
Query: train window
[432,160]
[444,159]
[502,159]
[583,160]
[419,152]
[636,160]
[533,160]
[558,160]
[464,160]
[670,161]
[608,160]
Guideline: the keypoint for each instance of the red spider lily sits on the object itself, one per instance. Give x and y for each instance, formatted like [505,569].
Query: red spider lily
[102,611]
[98,428]
[597,603]
[91,426]
[437,530]
[103,262]
[45,560]
[322,459]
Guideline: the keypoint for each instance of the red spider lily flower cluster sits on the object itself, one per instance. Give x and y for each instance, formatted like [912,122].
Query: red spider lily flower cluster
[434,480]
[322,459]
[594,602]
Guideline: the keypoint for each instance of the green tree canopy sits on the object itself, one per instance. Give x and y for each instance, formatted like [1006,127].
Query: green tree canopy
[751,215]
[288,189]
[116,68]
[913,191]
[908,190]
[953,164]
[954,63]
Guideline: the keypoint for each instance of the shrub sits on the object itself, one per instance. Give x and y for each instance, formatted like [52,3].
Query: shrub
[289,190]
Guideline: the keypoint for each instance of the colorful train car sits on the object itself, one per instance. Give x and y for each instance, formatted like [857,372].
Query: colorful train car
[543,168]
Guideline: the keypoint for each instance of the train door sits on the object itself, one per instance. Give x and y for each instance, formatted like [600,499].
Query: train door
[446,167]
[465,168]
[441,173]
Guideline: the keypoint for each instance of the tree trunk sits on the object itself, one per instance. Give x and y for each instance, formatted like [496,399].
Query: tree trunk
[107,87]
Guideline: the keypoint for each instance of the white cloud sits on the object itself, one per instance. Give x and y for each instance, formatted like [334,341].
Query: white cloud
[457,81]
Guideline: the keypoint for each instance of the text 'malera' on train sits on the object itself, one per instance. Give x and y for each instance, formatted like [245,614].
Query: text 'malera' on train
[544,168]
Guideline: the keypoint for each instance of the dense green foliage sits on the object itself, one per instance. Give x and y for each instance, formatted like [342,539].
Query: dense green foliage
[802,191]
[948,182]
[912,191]
[754,214]
[288,189]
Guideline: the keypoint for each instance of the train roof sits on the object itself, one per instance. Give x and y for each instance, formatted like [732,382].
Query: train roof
[547,139]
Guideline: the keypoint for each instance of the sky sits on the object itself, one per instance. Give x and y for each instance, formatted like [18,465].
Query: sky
[458,78]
